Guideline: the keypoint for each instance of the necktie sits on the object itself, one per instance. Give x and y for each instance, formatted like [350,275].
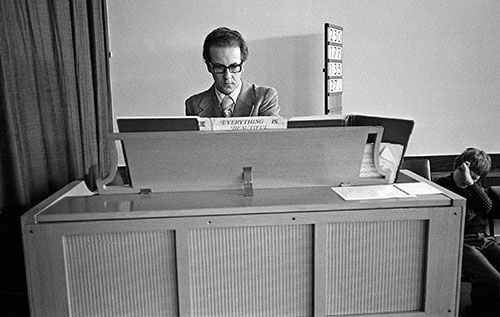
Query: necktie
[226,105]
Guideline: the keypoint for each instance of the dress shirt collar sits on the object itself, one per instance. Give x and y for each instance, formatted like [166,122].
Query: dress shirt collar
[234,95]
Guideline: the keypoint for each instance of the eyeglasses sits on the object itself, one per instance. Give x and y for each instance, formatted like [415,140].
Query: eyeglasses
[221,69]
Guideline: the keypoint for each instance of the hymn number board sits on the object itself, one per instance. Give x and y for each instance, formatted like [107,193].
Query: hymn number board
[333,68]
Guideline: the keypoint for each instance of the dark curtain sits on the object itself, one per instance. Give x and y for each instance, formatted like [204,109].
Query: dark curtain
[55,110]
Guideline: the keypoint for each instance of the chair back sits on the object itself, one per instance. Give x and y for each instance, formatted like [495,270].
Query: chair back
[419,166]
[494,194]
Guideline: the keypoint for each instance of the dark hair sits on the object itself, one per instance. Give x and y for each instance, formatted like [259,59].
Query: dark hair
[480,162]
[224,37]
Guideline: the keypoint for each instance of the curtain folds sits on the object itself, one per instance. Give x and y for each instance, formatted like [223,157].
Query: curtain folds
[55,114]
[55,98]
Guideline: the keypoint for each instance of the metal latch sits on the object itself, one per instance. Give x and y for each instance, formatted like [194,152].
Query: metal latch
[247,181]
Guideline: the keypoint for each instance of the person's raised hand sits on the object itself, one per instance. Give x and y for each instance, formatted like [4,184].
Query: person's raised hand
[466,174]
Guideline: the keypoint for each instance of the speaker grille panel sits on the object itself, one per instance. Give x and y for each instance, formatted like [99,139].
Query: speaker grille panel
[121,274]
[251,271]
[376,267]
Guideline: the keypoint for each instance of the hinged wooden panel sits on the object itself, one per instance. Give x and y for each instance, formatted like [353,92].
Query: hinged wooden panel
[199,161]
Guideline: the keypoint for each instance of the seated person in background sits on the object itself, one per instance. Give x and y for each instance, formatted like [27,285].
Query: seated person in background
[225,52]
[481,254]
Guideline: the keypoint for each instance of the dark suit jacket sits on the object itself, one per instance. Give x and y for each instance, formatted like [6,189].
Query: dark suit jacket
[252,101]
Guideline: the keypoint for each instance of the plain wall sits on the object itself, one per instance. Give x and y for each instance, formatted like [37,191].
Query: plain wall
[436,62]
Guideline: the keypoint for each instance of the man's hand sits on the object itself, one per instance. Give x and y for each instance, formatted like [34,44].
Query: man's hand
[465,174]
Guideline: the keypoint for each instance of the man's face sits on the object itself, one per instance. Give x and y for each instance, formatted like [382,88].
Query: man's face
[225,82]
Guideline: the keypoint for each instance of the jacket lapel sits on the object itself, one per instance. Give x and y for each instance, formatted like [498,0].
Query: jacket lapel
[245,103]
[208,106]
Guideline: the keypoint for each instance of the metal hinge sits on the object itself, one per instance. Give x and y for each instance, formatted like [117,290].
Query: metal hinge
[247,181]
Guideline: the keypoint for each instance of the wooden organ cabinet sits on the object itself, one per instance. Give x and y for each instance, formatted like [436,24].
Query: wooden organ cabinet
[244,224]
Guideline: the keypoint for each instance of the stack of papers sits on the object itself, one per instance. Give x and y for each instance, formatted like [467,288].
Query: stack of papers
[403,190]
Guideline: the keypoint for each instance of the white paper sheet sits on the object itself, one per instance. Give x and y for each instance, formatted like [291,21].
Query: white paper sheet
[419,188]
[371,192]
